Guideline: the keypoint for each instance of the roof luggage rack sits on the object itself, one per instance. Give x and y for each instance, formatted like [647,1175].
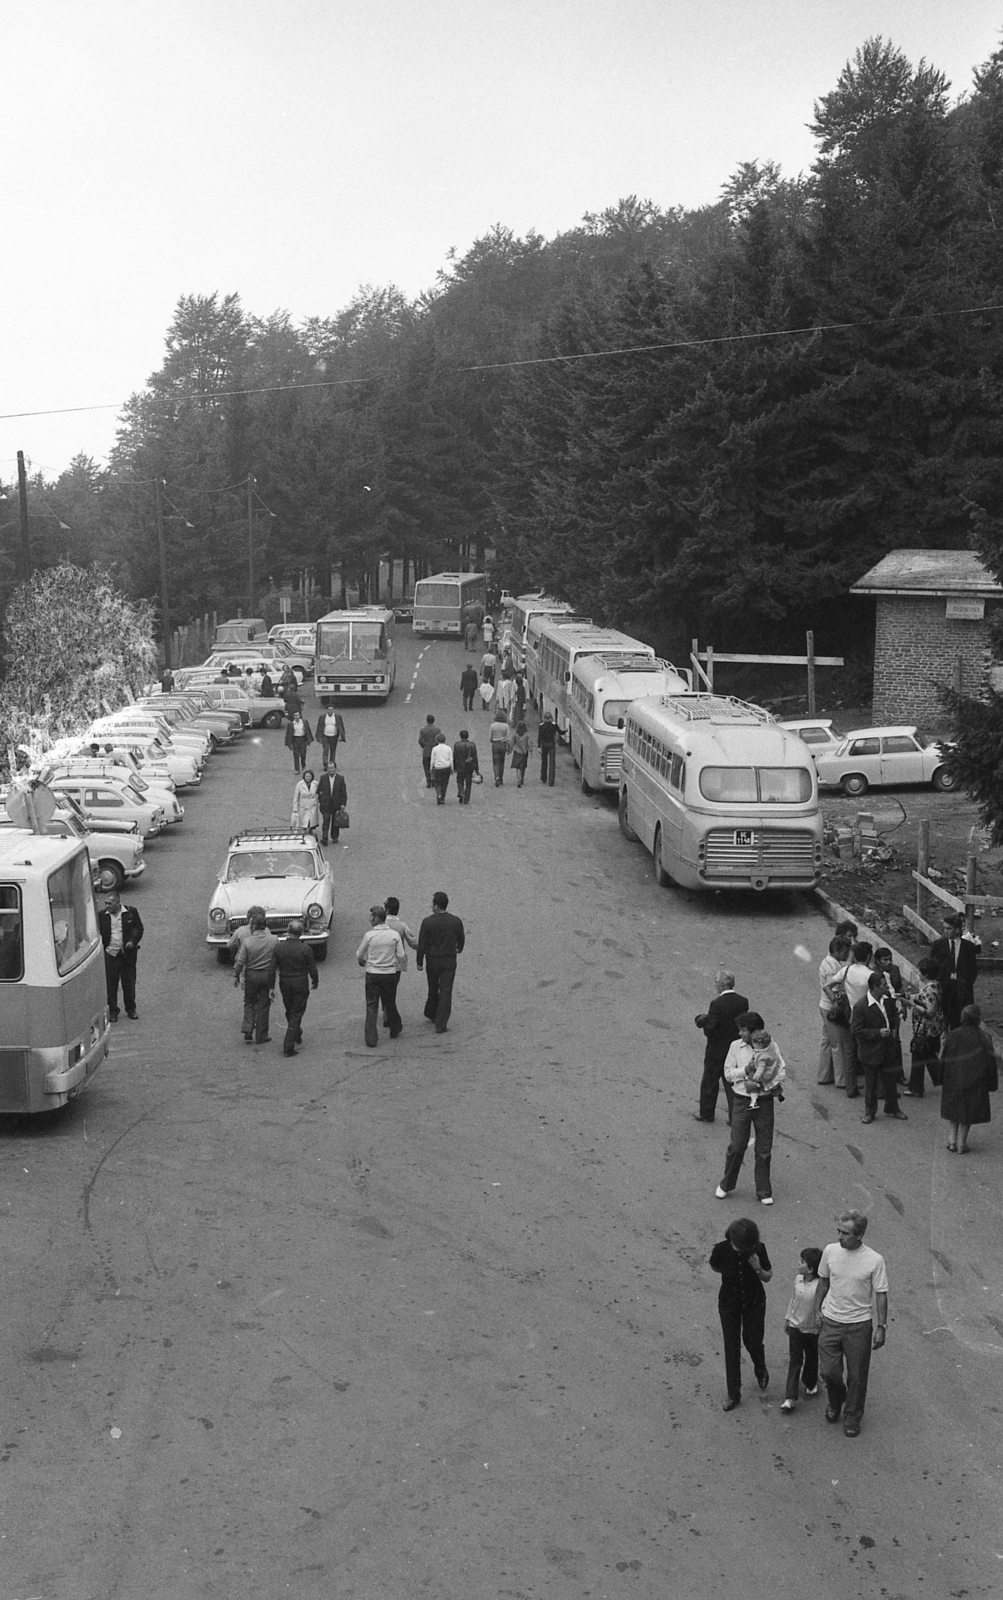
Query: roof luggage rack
[702,707]
[271,836]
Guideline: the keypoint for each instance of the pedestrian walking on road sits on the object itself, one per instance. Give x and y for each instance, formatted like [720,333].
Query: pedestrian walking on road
[428,736]
[294,965]
[299,735]
[520,753]
[801,1325]
[253,962]
[470,634]
[505,697]
[488,663]
[468,686]
[744,1265]
[498,735]
[440,941]
[546,743]
[520,697]
[489,633]
[381,953]
[971,1074]
[465,765]
[442,767]
[874,1025]
[330,728]
[332,797]
[306,805]
[752,1110]
[720,1027]
[396,921]
[852,1296]
[121,930]
[834,1049]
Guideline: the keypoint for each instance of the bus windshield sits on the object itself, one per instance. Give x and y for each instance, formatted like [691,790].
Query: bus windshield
[11,938]
[756,785]
[355,641]
[427,593]
[71,908]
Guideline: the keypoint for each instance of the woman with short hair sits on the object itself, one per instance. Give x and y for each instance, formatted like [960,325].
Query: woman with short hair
[971,1073]
[744,1265]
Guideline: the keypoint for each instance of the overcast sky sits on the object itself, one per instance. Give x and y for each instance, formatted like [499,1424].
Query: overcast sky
[292,150]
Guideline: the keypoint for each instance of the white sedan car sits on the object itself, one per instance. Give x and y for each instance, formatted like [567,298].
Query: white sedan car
[869,758]
[284,873]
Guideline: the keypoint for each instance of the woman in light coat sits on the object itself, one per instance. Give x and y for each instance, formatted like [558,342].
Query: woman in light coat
[306,805]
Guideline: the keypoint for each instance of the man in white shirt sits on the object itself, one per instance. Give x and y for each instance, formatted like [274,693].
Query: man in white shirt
[853,1284]
[441,767]
[752,1111]
[382,954]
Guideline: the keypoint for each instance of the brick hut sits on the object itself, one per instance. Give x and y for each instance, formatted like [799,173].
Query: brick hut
[932,627]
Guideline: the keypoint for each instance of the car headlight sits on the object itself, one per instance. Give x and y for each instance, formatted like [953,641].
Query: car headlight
[217,914]
[315,912]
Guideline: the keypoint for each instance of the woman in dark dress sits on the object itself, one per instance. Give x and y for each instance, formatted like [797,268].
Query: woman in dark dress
[744,1266]
[970,1073]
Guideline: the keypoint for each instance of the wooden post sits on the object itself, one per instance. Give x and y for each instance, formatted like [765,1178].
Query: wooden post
[810,653]
[710,669]
[970,872]
[922,865]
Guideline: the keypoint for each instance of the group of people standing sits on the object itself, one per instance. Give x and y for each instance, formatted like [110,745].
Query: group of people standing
[865,1003]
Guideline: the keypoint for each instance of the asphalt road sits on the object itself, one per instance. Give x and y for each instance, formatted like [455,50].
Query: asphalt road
[436,1319]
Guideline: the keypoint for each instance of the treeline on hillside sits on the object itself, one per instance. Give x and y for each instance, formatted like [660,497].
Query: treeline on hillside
[705,422]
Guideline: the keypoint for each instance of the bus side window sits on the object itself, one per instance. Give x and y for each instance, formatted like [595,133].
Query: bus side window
[677,770]
[11,938]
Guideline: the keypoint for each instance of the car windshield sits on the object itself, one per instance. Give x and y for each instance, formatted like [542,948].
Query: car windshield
[270,864]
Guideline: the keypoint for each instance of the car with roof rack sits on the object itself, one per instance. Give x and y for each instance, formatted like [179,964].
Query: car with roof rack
[284,872]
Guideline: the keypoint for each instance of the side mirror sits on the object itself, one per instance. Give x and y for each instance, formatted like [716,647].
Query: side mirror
[619,722]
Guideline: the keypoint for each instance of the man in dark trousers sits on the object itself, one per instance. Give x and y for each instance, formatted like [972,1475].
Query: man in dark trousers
[426,739]
[468,686]
[254,961]
[296,968]
[121,929]
[464,765]
[330,728]
[332,797]
[874,1024]
[440,941]
[957,956]
[719,1025]
[546,743]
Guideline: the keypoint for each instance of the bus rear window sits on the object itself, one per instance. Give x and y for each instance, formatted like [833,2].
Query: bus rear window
[436,594]
[11,934]
[71,907]
[756,785]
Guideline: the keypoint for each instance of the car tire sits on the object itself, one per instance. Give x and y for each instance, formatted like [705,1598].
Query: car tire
[272,719]
[855,784]
[662,878]
[622,818]
[944,780]
[108,875]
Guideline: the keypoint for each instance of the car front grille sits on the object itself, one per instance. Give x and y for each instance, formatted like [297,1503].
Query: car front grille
[275,924]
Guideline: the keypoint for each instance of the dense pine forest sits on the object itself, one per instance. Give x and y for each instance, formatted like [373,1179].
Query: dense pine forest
[687,422]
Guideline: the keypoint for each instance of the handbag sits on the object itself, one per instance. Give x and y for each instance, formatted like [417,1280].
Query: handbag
[340,818]
[839,1011]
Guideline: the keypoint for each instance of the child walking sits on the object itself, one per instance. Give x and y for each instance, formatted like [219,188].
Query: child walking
[801,1325]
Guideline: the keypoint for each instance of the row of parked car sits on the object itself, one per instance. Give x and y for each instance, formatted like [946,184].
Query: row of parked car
[116,783]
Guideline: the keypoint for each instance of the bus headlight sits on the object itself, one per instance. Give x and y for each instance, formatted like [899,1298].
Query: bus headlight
[315,912]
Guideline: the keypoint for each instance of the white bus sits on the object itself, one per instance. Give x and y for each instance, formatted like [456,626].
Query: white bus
[355,653]
[444,603]
[553,647]
[519,613]
[602,687]
[722,796]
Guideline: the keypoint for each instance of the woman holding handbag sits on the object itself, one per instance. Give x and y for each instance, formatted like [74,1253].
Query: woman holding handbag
[834,1050]
[306,805]
[927,1030]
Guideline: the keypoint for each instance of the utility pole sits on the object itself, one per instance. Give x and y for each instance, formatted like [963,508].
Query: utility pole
[22,495]
[165,616]
[250,548]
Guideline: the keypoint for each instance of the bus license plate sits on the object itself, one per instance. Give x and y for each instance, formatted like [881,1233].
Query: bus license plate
[350,688]
[745,836]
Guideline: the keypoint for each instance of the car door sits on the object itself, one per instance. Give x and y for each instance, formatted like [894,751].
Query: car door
[901,759]
[864,756]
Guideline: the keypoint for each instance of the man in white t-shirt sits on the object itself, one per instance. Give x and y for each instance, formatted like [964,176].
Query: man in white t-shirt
[853,1284]
[382,954]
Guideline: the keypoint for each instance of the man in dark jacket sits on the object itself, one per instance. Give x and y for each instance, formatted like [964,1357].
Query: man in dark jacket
[468,687]
[428,736]
[957,958]
[121,929]
[332,797]
[719,1025]
[464,765]
[874,1024]
[293,962]
[299,734]
[440,941]
[546,743]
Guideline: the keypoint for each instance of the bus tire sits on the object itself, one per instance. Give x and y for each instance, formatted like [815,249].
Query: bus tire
[621,814]
[108,875]
[662,878]
[272,719]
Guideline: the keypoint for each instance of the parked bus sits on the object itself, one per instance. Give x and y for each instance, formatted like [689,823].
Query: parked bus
[553,647]
[355,653]
[519,613]
[722,796]
[444,603]
[54,1023]
[602,687]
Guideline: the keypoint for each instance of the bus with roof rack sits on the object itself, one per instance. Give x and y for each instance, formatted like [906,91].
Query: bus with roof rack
[552,648]
[720,794]
[602,689]
[519,613]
